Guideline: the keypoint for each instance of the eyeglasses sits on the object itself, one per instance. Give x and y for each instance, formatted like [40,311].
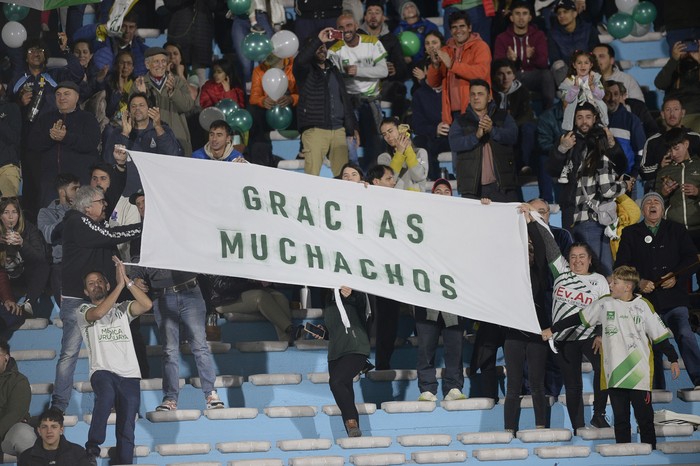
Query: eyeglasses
[35,51]
[103,201]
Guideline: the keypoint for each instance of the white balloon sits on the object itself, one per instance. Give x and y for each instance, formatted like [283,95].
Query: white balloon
[638,30]
[14,34]
[275,83]
[285,44]
[626,6]
[209,115]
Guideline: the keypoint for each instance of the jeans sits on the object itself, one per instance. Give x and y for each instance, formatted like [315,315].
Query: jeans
[515,352]
[527,140]
[239,31]
[369,115]
[676,320]
[70,347]
[124,394]
[620,400]
[187,308]
[591,232]
[480,22]
[453,375]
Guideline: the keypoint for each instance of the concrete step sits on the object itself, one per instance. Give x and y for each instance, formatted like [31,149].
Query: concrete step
[317,461]
[439,457]
[290,411]
[470,404]
[623,449]
[305,444]
[485,438]
[261,346]
[422,440]
[362,409]
[544,435]
[174,416]
[392,375]
[350,443]
[178,449]
[275,379]
[593,433]
[222,381]
[244,447]
[691,446]
[370,459]
[565,451]
[500,454]
[231,413]
[394,407]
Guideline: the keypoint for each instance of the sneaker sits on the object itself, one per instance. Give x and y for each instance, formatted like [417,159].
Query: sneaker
[455,394]
[167,405]
[564,179]
[91,460]
[257,29]
[352,428]
[213,401]
[599,421]
[27,310]
[427,396]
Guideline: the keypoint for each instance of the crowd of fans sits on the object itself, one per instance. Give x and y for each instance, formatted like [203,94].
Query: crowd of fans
[515,90]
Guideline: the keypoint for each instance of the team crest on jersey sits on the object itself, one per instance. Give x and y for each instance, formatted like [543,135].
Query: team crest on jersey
[611,315]
[610,330]
[153,143]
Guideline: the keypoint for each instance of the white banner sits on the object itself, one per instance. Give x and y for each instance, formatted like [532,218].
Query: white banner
[244,220]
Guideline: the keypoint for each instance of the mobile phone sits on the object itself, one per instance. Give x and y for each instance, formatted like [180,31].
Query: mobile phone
[335,34]
[691,45]
[626,177]
[316,331]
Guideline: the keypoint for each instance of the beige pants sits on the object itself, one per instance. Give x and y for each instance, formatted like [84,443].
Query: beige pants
[272,304]
[9,180]
[317,143]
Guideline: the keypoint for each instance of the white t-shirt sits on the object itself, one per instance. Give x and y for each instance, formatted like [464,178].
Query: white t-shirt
[109,341]
[369,56]
[629,330]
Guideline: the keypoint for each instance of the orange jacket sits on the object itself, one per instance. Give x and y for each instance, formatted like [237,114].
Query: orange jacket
[257,93]
[474,62]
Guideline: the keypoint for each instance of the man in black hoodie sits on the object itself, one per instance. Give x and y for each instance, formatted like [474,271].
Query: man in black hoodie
[87,245]
[52,448]
[10,133]
[15,396]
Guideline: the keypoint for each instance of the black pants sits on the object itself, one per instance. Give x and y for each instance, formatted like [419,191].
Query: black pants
[489,338]
[341,372]
[387,318]
[516,352]
[620,399]
[569,359]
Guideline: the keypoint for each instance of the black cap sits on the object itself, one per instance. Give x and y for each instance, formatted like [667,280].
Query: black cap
[567,4]
[68,85]
[135,196]
[150,51]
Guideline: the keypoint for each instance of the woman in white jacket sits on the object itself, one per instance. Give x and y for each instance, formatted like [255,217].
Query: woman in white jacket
[410,164]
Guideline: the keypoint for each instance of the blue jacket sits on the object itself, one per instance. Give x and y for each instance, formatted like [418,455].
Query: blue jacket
[563,44]
[629,134]
[105,55]
[427,110]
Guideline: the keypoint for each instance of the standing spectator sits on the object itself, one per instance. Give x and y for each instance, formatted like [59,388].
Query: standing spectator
[625,126]
[114,371]
[178,68]
[169,93]
[670,250]
[568,35]
[223,84]
[411,20]
[15,395]
[481,13]
[363,61]
[549,132]
[52,448]
[50,220]
[129,41]
[64,140]
[680,77]
[483,138]
[118,86]
[465,57]
[10,134]
[325,114]
[314,15]
[87,245]
[526,46]
[655,149]
[610,71]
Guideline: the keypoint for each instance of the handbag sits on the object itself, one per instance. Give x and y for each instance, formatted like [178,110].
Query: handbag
[605,211]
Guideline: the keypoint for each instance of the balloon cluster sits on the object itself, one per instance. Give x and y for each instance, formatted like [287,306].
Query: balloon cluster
[13,33]
[633,18]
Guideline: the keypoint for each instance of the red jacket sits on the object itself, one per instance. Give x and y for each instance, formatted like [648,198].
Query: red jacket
[474,62]
[532,38]
[213,93]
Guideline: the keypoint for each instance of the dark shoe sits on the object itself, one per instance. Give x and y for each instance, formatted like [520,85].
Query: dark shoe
[352,428]
[91,460]
[599,421]
[368,367]
[256,28]
[294,332]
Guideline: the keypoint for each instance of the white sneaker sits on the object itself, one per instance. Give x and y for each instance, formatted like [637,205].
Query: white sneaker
[563,179]
[455,394]
[427,396]
[213,401]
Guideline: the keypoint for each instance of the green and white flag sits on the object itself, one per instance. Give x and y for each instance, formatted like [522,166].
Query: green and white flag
[245,220]
[44,5]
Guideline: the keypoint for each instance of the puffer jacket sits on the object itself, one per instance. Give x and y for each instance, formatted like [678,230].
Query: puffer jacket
[682,208]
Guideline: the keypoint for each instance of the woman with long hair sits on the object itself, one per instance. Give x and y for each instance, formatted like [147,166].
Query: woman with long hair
[410,164]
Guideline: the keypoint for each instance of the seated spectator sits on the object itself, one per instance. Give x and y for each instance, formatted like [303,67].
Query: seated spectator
[510,95]
[83,52]
[352,172]
[259,144]
[679,77]
[127,41]
[567,35]
[10,134]
[430,325]
[624,125]
[678,181]
[220,146]
[526,46]
[409,163]
[426,109]
[15,433]
[23,253]
[655,149]
[610,71]
[118,86]
[411,20]
[52,448]
[465,57]
[325,117]
[223,84]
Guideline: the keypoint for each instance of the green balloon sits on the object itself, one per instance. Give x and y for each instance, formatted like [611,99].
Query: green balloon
[256,47]
[238,7]
[279,118]
[410,43]
[15,12]
[620,25]
[241,120]
[228,107]
[644,12]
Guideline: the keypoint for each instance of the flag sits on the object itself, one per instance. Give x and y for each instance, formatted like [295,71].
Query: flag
[44,5]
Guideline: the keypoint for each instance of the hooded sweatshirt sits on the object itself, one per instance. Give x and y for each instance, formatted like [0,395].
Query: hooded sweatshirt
[205,153]
[519,43]
[15,396]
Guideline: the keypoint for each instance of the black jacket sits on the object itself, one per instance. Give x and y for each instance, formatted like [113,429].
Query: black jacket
[87,247]
[10,132]
[654,256]
[68,454]
[502,137]
[313,110]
